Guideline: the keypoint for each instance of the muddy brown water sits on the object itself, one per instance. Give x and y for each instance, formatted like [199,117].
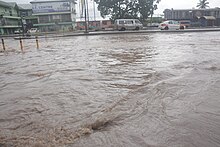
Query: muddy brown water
[159,90]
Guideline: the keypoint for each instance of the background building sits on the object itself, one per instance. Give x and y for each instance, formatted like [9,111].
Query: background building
[54,15]
[9,18]
[25,12]
[201,17]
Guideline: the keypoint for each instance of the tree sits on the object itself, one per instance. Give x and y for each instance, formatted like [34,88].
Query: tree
[119,9]
[203,4]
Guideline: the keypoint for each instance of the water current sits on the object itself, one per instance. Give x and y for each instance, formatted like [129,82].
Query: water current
[131,90]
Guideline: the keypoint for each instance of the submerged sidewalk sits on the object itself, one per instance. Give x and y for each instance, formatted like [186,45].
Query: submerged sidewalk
[92,33]
[133,32]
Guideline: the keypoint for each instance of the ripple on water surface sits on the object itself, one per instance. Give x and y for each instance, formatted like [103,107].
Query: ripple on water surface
[115,90]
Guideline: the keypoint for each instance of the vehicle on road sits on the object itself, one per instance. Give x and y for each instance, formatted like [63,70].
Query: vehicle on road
[18,31]
[127,24]
[184,24]
[33,30]
[169,25]
[153,24]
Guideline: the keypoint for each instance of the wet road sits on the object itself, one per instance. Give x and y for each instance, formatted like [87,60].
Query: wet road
[158,90]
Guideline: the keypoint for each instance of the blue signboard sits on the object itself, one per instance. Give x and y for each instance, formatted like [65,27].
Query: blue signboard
[50,7]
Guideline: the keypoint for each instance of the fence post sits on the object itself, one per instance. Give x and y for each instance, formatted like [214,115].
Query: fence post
[3,44]
[21,44]
[37,42]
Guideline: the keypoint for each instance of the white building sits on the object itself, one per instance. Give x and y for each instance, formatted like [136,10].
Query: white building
[54,15]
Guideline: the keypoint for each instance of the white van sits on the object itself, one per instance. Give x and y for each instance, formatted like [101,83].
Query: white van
[127,24]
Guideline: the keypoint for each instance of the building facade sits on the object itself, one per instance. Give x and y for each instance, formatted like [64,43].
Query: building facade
[9,18]
[25,12]
[202,17]
[54,15]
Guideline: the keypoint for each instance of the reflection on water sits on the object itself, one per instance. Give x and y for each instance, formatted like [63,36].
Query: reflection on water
[119,90]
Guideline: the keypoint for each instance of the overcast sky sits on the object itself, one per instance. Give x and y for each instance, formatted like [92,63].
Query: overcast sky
[175,4]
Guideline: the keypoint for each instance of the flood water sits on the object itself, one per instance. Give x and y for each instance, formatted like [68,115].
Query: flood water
[156,90]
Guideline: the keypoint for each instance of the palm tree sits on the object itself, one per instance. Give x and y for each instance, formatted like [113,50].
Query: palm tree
[203,4]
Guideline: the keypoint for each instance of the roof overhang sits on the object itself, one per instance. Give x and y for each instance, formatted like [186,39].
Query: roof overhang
[49,1]
[53,13]
[12,17]
[208,17]
[9,27]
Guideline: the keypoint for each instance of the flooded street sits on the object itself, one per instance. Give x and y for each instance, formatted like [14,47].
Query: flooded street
[131,90]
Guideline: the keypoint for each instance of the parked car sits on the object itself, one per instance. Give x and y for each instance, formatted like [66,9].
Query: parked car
[33,30]
[153,24]
[18,31]
[184,24]
[127,24]
[170,24]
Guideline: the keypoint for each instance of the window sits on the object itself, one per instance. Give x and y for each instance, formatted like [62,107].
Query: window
[137,22]
[183,14]
[43,19]
[218,14]
[184,22]
[66,18]
[82,24]
[10,12]
[104,22]
[55,17]
[121,22]
[175,22]
[129,22]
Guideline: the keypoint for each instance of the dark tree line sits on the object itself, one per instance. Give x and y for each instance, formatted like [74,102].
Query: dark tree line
[119,9]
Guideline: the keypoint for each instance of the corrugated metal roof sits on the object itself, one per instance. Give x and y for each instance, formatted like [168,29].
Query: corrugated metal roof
[210,9]
[4,4]
[8,5]
[25,6]
[209,17]
[12,4]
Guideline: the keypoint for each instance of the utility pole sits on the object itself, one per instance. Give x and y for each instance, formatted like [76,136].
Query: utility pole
[22,25]
[87,6]
[85,11]
[94,10]
[22,14]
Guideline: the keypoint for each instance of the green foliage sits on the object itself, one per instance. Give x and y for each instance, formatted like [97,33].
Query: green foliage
[203,4]
[120,9]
